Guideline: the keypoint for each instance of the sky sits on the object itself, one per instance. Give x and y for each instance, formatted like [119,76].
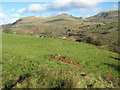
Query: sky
[12,10]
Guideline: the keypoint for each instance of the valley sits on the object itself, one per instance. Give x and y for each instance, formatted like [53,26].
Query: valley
[61,51]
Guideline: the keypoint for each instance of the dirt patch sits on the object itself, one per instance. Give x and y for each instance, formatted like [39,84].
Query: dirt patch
[110,71]
[64,59]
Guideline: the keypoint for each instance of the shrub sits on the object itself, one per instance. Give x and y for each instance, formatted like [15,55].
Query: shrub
[79,40]
[114,48]
[69,30]
[97,43]
[92,41]
[7,30]
[88,40]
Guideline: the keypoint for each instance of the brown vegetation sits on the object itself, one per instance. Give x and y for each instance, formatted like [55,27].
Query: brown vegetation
[64,59]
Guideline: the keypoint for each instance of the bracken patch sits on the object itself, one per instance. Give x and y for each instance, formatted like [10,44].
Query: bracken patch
[64,59]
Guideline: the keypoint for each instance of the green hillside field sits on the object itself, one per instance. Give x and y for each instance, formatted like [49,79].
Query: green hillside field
[101,29]
[33,62]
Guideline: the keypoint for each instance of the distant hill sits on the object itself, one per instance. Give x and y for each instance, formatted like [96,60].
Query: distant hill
[36,25]
[106,16]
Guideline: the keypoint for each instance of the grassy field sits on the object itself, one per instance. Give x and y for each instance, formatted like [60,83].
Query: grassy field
[32,62]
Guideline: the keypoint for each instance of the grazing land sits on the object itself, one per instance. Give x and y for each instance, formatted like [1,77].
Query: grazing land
[101,29]
[33,62]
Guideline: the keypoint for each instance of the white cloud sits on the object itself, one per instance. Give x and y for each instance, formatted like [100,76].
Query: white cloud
[12,20]
[88,11]
[9,20]
[2,16]
[73,4]
[48,0]
[39,8]
[12,10]
[115,6]
[36,8]
[1,22]
[22,10]
[15,15]
[60,5]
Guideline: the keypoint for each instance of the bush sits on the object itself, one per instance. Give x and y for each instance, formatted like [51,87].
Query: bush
[69,30]
[92,41]
[97,43]
[79,40]
[7,30]
[114,48]
[88,40]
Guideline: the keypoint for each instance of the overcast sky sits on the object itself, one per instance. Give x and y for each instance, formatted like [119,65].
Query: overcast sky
[11,11]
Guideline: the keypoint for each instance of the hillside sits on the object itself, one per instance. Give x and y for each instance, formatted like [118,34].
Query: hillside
[106,16]
[101,29]
[37,25]
[56,63]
